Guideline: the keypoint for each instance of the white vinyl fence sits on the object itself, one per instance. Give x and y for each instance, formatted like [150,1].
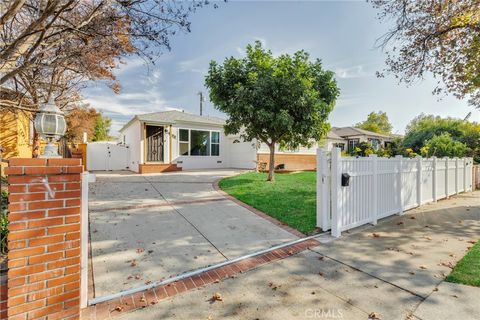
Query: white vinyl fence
[380,187]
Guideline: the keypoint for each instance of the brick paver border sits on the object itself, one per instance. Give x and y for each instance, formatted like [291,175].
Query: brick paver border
[113,308]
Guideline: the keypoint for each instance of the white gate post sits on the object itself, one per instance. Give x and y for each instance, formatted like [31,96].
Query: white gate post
[434,179]
[336,174]
[419,180]
[456,175]
[322,191]
[446,177]
[374,190]
[464,174]
[84,242]
[399,184]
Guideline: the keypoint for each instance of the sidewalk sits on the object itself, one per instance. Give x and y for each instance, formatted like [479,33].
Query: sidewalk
[394,270]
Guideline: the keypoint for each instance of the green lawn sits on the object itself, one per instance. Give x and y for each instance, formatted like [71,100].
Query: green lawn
[290,199]
[467,270]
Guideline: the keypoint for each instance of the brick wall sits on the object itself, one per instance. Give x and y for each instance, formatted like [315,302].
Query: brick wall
[293,162]
[44,238]
[3,293]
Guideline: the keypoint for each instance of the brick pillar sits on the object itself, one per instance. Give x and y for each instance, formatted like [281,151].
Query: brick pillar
[44,238]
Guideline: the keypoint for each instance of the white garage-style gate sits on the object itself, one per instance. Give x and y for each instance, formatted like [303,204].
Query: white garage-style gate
[107,156]
[356,191]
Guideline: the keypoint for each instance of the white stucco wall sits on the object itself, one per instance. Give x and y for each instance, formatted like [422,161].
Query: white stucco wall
[132,137]
[301,150]
[242,155]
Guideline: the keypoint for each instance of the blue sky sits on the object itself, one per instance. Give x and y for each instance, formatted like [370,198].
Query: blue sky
[341,33]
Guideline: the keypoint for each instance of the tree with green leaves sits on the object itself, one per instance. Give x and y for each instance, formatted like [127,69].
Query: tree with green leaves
[432,131]
[101,131]
[444,145]
[282,100]
[376,122]
[435,36]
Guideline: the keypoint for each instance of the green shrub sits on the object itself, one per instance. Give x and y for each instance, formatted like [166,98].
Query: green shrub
[3,222]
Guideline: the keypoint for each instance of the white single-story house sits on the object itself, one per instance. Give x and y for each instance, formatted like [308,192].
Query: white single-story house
[175,140]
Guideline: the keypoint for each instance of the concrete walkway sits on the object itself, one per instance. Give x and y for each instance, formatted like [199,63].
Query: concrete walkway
[147,227]
[394,270]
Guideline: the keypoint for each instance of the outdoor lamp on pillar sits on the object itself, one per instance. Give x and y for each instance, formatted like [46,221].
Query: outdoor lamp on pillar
[50,125]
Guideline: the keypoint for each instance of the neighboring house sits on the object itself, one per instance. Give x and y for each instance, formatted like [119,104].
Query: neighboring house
[175,140]
[16,134]
[353,136]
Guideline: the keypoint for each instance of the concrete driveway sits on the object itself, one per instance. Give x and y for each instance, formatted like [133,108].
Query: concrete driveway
[394,270]
[144,228]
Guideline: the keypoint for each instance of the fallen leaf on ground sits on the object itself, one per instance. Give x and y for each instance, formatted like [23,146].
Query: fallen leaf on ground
[321,274]
[148,282]
[374,316]
[376,235]
[447,264]
[140,250]
[321,258]
[436,289]
[271,285]
[455,296]
[472,241]
[428,238]
[399,223]
[412,217]
[142,299]
[118,308]
[423,267]
[134,263]
[137,276]
[412,273]
[216,297]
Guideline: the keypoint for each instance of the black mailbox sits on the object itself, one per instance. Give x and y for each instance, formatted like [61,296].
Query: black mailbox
[345,179]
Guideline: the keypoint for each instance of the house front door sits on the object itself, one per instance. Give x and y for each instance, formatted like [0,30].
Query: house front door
[154,143]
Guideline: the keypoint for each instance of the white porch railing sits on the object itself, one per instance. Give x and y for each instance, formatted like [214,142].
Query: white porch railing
[380,187]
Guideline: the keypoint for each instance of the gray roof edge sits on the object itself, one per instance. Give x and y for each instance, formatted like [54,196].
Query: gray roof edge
[128,124]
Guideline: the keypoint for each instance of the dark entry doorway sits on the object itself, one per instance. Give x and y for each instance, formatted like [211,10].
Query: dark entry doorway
[154,143]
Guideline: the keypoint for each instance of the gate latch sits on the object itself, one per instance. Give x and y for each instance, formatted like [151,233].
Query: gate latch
[345,179]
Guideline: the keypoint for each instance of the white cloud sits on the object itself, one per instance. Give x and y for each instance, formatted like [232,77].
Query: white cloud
[357,71]
[196,65]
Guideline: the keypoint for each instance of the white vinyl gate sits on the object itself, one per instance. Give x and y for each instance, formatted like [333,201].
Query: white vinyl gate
[107,156]
[380,187]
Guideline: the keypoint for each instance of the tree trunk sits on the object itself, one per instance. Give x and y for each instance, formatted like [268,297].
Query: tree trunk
[35,145]
[271,165]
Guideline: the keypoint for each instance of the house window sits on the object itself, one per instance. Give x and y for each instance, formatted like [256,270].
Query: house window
[199,142]
[352,144]
[339,145]
[184,142]
[215,143]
